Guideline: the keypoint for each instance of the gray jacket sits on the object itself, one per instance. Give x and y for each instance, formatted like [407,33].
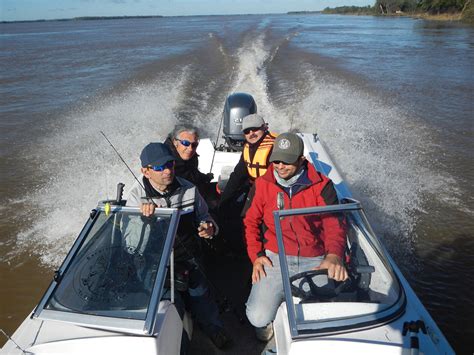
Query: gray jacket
[187,198]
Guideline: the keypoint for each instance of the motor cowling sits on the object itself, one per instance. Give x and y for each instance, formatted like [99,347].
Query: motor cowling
[237,106]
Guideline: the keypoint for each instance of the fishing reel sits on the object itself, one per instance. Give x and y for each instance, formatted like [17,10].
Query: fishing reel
[119,201]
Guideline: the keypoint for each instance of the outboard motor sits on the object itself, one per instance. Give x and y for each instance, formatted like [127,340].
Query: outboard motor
[237,106]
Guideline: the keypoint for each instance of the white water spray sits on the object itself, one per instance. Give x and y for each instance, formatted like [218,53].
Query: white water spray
[84,169]
[380,149]
[377,147]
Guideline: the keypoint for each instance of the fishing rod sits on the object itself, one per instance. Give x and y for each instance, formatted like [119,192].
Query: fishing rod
[123,161]
[215,144]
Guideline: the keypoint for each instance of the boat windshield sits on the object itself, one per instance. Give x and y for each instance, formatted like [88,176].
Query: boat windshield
[318,305]
[116,269]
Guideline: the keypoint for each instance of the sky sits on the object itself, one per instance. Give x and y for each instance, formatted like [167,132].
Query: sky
[19,10]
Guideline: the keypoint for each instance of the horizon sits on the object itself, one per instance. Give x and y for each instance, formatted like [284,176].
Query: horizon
[51,10]
[148,16]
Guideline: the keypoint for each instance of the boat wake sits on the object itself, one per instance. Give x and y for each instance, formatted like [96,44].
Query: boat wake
[382,150]
[83,168]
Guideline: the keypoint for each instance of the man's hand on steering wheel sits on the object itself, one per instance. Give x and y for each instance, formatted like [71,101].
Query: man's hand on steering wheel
[335,267]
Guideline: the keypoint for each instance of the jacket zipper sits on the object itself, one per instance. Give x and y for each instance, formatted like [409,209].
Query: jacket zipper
[291,225]
[291,219]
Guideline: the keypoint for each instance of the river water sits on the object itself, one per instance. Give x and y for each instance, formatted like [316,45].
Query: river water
[392,98]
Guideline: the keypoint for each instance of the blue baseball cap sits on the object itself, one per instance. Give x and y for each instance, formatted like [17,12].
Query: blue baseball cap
[156,154]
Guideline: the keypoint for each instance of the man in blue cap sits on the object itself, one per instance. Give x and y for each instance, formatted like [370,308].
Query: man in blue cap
[161,188]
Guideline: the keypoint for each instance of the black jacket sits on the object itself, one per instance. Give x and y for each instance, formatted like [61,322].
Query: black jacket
[188,169]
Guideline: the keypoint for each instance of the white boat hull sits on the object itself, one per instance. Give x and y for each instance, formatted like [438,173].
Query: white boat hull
[36,336]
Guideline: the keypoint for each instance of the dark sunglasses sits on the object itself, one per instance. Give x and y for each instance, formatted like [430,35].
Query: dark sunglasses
[252,129]
[276,162]
[167,165]
[187,143]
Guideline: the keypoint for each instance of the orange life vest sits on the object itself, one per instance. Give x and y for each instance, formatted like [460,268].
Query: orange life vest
[259,164]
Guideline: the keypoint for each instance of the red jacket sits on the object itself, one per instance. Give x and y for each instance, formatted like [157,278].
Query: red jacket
[307,235]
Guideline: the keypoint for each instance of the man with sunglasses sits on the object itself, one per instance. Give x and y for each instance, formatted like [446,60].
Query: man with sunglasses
[254,160]
[161,188]
[290,182]
[183,142]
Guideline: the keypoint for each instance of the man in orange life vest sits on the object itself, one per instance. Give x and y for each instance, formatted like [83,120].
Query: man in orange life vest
[253,161]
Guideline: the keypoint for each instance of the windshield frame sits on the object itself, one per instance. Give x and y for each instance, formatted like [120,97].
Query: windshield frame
[331,326]
[133,326]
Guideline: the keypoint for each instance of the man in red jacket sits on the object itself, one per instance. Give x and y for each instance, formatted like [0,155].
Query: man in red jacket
[310,242]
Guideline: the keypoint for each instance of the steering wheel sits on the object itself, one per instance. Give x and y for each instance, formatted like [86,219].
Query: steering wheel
[315,292]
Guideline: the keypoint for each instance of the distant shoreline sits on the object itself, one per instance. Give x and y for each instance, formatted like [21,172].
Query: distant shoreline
[95,18]
[424,16]
[85,18]
[456,16]
[464,12]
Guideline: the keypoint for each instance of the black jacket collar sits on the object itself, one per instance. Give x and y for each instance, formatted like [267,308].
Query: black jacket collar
[151,192]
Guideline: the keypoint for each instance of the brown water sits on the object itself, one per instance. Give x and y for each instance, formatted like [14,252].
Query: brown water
[391,98]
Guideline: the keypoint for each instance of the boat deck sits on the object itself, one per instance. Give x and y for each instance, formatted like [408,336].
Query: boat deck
[233,283]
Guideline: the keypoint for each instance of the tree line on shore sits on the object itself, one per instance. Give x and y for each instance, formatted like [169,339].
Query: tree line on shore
[464,8]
